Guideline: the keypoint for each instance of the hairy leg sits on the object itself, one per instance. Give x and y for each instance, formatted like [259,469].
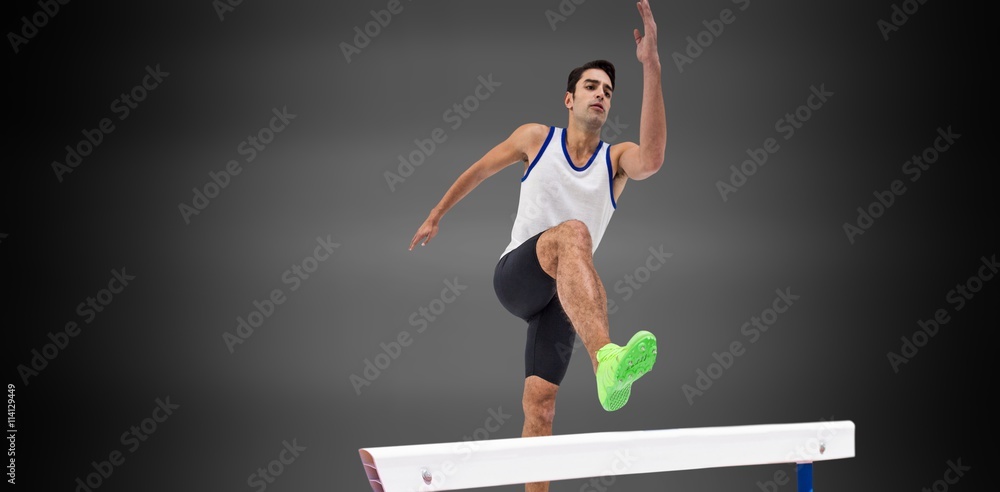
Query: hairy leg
[565,254]
[539,402]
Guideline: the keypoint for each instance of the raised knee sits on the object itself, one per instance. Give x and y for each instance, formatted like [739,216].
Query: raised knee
[575,233]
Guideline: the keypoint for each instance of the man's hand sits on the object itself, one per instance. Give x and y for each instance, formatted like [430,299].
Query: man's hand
[425,233]
[645,45]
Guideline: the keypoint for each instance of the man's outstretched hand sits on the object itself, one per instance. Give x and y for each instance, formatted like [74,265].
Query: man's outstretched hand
[425,233]
[645,44]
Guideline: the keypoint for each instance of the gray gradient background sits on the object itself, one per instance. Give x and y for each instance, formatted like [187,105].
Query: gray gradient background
[825,358]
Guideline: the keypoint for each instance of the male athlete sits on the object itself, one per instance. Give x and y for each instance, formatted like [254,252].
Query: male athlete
[569,189]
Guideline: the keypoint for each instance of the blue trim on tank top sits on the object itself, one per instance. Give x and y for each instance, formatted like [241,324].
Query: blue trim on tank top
[570,161]
[541,151]
[611,178]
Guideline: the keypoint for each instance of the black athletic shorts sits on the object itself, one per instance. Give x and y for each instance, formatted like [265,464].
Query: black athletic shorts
[529,293]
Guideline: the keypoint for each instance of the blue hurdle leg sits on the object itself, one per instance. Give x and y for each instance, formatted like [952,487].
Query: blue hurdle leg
[804,471]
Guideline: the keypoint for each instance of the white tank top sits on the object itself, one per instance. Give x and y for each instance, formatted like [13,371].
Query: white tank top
[554,189]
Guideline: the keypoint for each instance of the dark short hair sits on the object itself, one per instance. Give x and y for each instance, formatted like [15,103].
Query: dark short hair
[577,72]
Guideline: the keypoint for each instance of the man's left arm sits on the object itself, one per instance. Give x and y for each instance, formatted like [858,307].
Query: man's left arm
[643,160]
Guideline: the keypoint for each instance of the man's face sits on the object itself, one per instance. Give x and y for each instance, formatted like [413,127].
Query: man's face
[592,99]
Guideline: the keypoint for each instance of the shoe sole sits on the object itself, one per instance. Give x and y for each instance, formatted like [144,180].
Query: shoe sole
[636,361]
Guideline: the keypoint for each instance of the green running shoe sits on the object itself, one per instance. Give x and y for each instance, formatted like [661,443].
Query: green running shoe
[618,367]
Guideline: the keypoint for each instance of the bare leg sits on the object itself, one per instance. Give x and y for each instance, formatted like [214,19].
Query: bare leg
[564,252]
[539,404]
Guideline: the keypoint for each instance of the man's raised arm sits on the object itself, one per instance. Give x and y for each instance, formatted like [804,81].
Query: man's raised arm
[640,162]
[506,153]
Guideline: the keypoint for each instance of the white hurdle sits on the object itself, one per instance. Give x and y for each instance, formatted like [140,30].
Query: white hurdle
[464,465]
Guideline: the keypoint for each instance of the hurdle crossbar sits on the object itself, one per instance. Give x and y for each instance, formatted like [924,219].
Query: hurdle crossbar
[487,463]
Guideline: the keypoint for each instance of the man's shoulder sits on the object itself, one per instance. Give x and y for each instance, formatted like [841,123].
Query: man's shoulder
[531,134]
[534,130]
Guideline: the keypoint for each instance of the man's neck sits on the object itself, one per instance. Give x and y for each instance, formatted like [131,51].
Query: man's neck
[581,140]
